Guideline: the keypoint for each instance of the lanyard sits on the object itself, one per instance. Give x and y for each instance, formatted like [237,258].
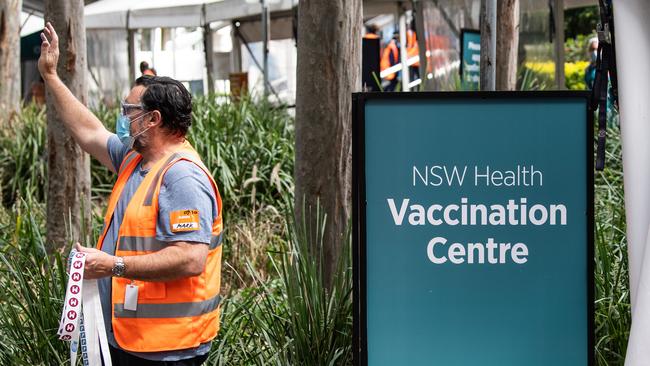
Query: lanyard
[82,322]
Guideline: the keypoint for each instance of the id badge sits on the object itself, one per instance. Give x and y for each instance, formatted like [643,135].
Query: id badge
[131,298]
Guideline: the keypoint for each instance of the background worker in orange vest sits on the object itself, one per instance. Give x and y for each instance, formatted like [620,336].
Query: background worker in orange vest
[413,50]
[390,57]
[372,32]
[160,259]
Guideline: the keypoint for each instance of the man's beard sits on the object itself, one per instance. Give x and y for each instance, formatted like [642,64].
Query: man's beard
[138,145]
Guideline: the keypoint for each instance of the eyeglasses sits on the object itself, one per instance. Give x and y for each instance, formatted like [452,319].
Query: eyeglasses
[127,108]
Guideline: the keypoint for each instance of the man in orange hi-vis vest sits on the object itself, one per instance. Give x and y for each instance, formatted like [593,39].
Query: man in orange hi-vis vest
[390,57]
[158,259]
[413,50]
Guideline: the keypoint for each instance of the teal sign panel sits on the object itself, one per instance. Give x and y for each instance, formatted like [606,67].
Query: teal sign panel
[474,229]
[470,67]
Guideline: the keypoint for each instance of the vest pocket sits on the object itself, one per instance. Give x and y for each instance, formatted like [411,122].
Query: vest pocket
[154,290]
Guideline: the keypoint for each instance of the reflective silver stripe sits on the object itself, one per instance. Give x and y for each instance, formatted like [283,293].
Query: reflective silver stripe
[174,310]
[140,244]
[215,241]
[129,157]
[149,244]
[148,199]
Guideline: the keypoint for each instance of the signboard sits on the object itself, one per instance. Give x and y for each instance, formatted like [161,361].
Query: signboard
[238,84]
[470,51]
[473,229]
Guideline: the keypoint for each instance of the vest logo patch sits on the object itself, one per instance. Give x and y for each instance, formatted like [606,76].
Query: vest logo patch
[184,220]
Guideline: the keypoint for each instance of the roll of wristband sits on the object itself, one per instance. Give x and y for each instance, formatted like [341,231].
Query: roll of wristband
[82,321]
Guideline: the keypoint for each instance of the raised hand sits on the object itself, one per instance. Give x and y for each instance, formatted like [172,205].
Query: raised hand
[49,52]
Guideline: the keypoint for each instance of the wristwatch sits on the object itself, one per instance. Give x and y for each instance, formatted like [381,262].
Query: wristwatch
[119,268]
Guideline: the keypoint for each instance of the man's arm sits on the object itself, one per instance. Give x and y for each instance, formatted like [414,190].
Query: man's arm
[178,260]
[84,126]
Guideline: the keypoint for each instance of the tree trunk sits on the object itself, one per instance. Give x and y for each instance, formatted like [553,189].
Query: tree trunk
[68,191]
[488,44]
[558,16]
[507,44]
[328,71]
[9,58]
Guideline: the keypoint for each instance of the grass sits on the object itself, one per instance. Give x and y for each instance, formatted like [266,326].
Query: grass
[612,303]
[32,287]
[291,319]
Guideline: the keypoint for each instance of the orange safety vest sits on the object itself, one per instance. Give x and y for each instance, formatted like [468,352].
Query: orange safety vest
[385,62]
[371,36]
[172,315]
[412,48]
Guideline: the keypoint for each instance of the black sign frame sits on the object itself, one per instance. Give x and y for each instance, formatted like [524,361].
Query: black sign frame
[360,339]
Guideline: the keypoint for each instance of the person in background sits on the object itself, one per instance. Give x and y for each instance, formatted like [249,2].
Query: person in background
[37,92]
[372,32]
[413,50]
[146,70]
[390,57]
[590,71]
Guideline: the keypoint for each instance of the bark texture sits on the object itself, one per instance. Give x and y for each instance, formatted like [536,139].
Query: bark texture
[488,25]
[9,58]
[68,191]
[328,71]
[507,44]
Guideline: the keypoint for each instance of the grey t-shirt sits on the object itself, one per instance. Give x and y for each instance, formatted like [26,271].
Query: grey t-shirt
[184,187]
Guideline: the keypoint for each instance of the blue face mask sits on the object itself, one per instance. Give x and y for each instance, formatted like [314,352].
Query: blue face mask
[123,125]
[123,129]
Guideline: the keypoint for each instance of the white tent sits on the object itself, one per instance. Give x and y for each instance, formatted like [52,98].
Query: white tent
[128,14]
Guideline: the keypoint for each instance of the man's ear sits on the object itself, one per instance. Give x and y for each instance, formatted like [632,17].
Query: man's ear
[156,118]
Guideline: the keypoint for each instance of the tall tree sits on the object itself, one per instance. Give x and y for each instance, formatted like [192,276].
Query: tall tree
[328,71]
[507,44]
[68,191]
[9,57]
[488,26]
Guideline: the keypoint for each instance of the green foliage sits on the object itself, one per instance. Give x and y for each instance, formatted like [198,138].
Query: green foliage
[541,75]
[580,21]
[577,49]
[612,305]
[249,147]
[23,163]
[32,287]
[292,319]
[530,80]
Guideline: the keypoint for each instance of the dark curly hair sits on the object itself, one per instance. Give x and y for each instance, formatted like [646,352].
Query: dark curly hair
[171,99]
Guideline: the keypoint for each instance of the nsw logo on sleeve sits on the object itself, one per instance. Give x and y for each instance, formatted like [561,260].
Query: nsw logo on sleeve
[184,220]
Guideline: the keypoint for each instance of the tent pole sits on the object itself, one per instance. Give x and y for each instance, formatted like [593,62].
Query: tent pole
[235,56]
[265,40]
[208,49]
[406,80]
[130,49]
[131,53]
